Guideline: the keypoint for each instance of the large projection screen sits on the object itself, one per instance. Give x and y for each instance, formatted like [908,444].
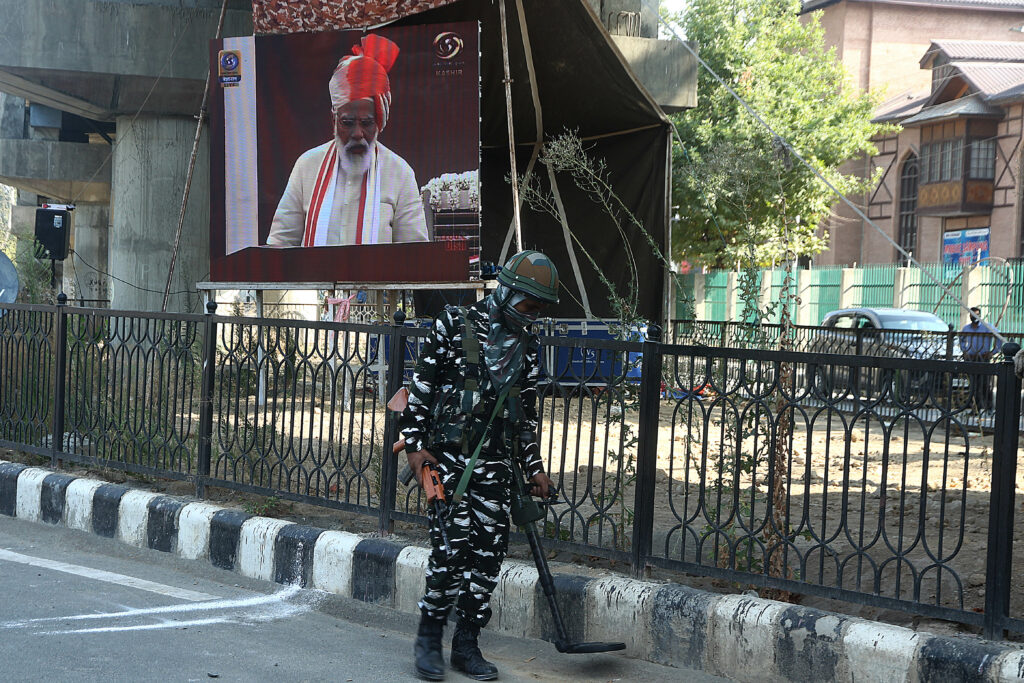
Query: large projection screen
[287,205]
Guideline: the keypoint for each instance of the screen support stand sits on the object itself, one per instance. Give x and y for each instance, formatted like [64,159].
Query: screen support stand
[511,128]
[260,353]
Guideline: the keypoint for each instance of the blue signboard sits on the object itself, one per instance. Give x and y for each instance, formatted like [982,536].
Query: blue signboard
[964,247]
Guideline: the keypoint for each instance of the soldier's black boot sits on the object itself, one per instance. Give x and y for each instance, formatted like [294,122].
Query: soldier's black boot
[427,648]
[466,655]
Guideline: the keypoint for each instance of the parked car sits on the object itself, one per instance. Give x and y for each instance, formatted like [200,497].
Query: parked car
[880,332]
[891,332]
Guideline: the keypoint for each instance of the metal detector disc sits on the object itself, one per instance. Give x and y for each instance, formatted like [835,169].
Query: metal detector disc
[589,648]
[9,284]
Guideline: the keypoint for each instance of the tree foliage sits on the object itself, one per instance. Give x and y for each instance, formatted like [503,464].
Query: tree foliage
[738,194]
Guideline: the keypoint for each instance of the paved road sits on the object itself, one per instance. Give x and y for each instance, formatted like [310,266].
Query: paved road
[76,607]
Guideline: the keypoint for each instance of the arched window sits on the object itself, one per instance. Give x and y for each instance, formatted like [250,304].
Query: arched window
[907,235]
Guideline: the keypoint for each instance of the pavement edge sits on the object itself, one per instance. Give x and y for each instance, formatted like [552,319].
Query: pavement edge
[737,636]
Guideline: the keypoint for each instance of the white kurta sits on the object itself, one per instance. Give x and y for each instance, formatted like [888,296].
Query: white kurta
[401,207]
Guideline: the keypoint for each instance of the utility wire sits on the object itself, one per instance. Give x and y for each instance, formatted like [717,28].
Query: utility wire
[812,169]
[122,281]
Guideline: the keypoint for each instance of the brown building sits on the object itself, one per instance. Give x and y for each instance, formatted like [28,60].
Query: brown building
[881,43]
[955,163]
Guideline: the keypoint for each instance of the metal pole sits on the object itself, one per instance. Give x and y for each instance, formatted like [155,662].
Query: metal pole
[999,563]
[206,399]
[647,450]
[511,128]
[389,459]
[856,373]
[192,164]
[261,354]
[60,381]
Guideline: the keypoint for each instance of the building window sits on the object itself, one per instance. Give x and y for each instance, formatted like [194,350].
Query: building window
[941,161]
[907,237]
[983,159]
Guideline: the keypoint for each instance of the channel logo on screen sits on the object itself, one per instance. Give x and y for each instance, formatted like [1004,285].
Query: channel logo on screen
[447,45]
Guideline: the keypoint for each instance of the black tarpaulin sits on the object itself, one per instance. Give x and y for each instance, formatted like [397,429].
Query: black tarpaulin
[583,85]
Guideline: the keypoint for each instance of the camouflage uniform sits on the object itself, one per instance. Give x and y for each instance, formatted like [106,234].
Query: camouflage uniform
[436,420]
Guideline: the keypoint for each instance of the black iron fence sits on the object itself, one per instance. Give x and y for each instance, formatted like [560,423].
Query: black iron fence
[874,479]
[948,344]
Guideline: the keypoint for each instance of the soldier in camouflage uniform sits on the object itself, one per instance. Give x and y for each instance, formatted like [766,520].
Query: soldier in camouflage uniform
[454,392]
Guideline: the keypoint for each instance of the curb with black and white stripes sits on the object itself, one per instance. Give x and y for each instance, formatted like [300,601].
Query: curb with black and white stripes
[737,636]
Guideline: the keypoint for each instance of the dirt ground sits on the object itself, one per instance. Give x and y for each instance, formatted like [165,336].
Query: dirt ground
[900,489]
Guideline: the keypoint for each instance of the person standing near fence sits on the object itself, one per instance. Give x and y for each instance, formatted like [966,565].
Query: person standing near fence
[977,342]
[473,391]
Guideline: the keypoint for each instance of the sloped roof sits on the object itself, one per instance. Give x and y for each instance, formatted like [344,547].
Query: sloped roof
[972,105]
[991,83]
[992,80]
[992,70]
[900,107]
[974,51]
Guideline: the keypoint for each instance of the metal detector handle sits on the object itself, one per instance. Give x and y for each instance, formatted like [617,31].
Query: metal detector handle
[525,438]
[553,497]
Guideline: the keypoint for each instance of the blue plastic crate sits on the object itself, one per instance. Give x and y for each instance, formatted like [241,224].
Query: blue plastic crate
[593,367]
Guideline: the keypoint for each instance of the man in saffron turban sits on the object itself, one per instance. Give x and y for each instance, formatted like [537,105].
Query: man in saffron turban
[353,189]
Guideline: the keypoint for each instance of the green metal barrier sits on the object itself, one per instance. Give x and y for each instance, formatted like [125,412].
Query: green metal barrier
[878,286]
[823,290]
[716,292]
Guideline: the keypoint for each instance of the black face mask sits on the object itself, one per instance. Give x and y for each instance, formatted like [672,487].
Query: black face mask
[518,320]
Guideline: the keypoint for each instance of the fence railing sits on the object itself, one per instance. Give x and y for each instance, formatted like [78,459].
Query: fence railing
[922,344]
[879,480]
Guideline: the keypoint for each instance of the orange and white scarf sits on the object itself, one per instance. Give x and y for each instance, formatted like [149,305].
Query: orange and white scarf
[318,216]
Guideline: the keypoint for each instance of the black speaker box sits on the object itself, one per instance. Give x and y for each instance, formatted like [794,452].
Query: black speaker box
[53,232]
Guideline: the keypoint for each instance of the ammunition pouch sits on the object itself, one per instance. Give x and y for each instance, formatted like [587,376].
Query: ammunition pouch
[459,414]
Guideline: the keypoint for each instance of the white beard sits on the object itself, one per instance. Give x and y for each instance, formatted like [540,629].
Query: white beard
[355,164]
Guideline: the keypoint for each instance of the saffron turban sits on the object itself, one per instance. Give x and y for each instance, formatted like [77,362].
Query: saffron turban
[364,75]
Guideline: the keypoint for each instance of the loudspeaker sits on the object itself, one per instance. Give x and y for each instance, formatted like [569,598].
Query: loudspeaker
[53,232]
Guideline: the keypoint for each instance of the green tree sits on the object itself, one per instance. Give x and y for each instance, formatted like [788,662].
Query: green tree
[738,194]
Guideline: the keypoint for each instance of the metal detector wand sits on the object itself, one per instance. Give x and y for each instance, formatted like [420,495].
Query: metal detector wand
[547,582]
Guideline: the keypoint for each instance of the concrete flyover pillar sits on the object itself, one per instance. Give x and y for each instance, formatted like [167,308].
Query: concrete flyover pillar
[150,165]
[85,272]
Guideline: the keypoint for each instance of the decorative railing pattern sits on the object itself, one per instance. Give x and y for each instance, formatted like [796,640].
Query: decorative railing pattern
[872,469]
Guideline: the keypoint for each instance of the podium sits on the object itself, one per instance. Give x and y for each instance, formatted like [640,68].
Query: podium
[444,260]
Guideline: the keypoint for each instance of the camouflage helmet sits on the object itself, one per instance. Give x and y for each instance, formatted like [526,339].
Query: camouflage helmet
[533,274]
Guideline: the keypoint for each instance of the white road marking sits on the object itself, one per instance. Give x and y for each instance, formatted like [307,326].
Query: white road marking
[226,605]
[243,611]
[109,577]
[140,627]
